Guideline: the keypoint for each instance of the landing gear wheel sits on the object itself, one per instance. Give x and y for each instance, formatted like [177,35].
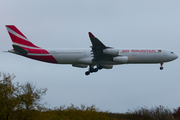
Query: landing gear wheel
[161,68]
[92,69]
[100,67]
[95,70]
[87,73]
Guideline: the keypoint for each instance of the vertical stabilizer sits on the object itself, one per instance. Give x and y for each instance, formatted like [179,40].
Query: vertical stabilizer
[18,38]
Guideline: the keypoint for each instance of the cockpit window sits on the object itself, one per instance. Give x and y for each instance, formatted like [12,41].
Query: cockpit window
[172,52]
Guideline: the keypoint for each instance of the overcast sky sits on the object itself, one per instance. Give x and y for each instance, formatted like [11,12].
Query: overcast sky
[117,23]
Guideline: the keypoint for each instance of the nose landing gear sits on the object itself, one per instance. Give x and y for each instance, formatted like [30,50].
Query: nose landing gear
[87,72]
[161,68]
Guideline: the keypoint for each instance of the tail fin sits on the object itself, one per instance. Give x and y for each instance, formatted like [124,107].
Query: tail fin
[18,38]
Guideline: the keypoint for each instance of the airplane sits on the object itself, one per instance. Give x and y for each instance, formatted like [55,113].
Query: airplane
[97,57]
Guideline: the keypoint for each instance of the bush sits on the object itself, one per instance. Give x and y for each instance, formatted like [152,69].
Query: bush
[176,113]
[156,113]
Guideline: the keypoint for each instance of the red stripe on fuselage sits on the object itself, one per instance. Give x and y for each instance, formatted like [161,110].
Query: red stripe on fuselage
[36,51]
[39,54]
[48,58]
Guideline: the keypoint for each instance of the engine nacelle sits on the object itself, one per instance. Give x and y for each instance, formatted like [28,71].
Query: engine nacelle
[120,59]
[111,51]
[107,66]
[79,65]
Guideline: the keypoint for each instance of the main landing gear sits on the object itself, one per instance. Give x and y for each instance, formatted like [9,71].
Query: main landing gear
[92,69]
[161,68]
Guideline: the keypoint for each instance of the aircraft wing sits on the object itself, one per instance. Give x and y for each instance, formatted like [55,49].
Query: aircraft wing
[96,43]
[97,49]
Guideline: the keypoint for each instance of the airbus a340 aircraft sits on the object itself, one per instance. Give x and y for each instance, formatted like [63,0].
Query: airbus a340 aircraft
[98,57]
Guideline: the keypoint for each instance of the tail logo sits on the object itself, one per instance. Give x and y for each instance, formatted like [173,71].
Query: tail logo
[18,38]
[16,34]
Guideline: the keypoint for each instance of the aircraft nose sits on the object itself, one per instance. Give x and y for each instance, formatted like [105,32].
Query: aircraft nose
[175,56]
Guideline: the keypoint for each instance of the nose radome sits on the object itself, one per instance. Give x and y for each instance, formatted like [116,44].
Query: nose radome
[176,56]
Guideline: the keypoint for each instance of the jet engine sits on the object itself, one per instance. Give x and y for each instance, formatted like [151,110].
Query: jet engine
[120,59]
[107,66]
[79,65]
[111,51]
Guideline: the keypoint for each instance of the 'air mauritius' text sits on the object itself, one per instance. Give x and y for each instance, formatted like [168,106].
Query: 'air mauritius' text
[139,51]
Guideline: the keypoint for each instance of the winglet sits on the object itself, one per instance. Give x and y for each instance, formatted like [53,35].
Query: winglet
[91,35]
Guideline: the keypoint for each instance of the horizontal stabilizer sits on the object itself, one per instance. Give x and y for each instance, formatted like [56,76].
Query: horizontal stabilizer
[20,50]
[4,51]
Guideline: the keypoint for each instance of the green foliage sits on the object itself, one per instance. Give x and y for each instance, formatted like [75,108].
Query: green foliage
[154,113]
[8,97]
[176,113]
[75,113]
[23,102]
[30,96]
[19,101]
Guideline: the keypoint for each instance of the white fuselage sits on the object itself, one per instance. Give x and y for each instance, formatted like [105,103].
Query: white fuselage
[85,56]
